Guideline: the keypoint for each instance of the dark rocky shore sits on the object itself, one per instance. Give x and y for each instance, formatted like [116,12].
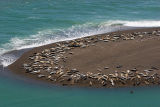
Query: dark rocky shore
[122,58]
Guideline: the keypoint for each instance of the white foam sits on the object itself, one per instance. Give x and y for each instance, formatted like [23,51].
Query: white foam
[140,23]
[7,60]
[54,35]
[143,23]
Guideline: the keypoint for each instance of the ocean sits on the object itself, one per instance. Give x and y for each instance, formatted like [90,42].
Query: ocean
[25,24]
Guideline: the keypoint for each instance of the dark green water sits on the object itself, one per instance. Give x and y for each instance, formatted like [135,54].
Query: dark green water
[31,23]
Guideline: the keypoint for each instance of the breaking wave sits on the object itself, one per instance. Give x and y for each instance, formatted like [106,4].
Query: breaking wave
[54,35]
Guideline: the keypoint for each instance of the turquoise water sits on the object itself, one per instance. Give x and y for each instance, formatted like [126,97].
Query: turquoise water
[23,93]
[16,93]
[31,23]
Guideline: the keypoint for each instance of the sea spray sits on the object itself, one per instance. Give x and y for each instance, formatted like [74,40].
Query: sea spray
[55,35]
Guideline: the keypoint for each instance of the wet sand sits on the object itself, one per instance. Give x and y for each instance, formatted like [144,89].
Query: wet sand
[117,59]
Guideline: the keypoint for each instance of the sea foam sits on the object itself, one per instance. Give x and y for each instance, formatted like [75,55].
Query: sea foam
[48,36]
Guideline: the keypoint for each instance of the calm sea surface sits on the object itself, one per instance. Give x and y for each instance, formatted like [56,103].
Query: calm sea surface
[31,23]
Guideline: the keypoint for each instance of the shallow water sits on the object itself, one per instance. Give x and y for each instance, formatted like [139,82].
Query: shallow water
[30,23]
[18,92]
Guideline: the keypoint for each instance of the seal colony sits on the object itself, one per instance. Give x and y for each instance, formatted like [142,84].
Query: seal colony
[122,58]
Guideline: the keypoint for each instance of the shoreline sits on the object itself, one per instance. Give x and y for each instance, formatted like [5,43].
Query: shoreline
[115,56]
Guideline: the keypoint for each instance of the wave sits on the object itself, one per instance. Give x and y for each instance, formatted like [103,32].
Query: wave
[7,60]
[54,35]
[140,23]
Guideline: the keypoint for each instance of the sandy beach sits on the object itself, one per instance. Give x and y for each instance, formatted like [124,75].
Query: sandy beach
[116,59]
